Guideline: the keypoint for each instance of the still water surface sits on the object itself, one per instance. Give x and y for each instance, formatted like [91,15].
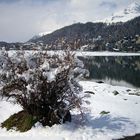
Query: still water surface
[115,70]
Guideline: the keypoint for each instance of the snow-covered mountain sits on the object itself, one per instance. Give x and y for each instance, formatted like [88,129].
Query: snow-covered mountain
[130,12]
[39,35]
[36,36]
[44,33]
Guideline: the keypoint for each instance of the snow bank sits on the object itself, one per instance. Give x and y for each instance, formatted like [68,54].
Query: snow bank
[122,117]
[82,53]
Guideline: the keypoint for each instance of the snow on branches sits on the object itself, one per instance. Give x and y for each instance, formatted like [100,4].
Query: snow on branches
[45,85]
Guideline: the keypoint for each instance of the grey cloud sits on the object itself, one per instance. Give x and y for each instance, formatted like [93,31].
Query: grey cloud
[108,4]
[8,1]
[28,1]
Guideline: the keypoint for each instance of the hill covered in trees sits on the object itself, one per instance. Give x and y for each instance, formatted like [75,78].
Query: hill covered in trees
[97,36]
[121,36]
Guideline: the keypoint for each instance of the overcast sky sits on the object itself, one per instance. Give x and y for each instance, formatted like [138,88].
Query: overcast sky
[22,19]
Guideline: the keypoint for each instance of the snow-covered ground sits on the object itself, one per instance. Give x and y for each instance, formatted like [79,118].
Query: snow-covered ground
[106,53]
[122,118]
[84,53]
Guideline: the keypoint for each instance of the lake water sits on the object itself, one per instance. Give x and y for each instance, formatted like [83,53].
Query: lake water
[115,70]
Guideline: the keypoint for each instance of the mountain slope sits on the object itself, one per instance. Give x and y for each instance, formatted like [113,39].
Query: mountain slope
[91,30]
[88,32]
[130,12]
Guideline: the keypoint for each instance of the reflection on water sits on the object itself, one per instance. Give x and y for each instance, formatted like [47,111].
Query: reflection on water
[116,70]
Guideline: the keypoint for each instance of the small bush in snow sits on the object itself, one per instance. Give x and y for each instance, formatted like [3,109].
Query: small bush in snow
[46,86]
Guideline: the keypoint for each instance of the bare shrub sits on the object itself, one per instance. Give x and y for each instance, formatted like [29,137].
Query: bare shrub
[46,86]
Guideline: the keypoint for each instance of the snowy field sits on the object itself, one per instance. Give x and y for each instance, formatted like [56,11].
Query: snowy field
[119,117]
[84,53]
[106,53]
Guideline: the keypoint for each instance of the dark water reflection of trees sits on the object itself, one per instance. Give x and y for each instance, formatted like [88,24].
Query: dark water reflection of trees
[126,68]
